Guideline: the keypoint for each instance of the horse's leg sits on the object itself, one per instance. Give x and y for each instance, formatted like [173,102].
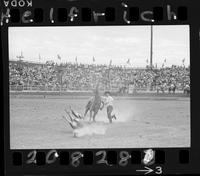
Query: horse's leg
[68,113]
[73,112]
[94,115]
[86,111]
[87,108]
[70,122]
[90,115]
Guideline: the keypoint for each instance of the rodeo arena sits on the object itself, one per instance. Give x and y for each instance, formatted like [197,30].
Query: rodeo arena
[74,105]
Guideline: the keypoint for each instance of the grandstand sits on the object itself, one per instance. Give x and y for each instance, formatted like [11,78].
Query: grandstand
[49,76]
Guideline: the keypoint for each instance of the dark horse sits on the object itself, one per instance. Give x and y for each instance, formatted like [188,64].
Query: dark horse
[172,88]
[161,88]
[186,90]
[122,90]
[94,104]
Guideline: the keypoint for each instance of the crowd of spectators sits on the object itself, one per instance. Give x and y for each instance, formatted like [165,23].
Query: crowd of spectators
[72,76]
[32,75]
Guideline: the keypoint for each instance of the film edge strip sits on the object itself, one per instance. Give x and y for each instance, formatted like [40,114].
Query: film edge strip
[14,12]
[151,160]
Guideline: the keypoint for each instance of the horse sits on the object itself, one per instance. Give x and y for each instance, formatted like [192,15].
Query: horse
[122,90]
[80,126]
[94,104]
[160,88]
[186,90]
[172,88]
[75,119]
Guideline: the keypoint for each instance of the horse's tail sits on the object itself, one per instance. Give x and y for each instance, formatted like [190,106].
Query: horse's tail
[97,87]
[96,91]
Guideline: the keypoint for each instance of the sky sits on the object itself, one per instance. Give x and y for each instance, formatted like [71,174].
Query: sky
[119,43]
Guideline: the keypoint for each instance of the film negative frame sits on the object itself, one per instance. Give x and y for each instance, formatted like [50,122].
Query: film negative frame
[99,13]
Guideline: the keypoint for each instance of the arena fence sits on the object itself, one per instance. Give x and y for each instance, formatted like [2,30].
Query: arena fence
[129,90]
[51,88]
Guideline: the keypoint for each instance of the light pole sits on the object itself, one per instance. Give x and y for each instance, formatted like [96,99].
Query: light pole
[20,57]
[151,48]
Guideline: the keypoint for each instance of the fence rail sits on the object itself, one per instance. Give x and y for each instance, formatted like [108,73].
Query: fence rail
[51,88]
[63,89]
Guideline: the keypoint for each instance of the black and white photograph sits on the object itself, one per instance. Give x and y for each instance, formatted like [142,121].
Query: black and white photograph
[99,87]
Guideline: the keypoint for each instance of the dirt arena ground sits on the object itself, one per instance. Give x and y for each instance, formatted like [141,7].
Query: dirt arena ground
[37,123]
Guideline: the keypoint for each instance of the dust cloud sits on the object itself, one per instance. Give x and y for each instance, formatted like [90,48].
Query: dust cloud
[97,128]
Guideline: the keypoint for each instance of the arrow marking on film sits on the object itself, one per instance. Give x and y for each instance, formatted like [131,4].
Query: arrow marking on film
[147,170]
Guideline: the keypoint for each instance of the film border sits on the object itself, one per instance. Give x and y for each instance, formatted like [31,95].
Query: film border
[169,166]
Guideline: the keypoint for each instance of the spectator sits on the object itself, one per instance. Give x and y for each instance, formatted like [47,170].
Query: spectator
[83,77]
